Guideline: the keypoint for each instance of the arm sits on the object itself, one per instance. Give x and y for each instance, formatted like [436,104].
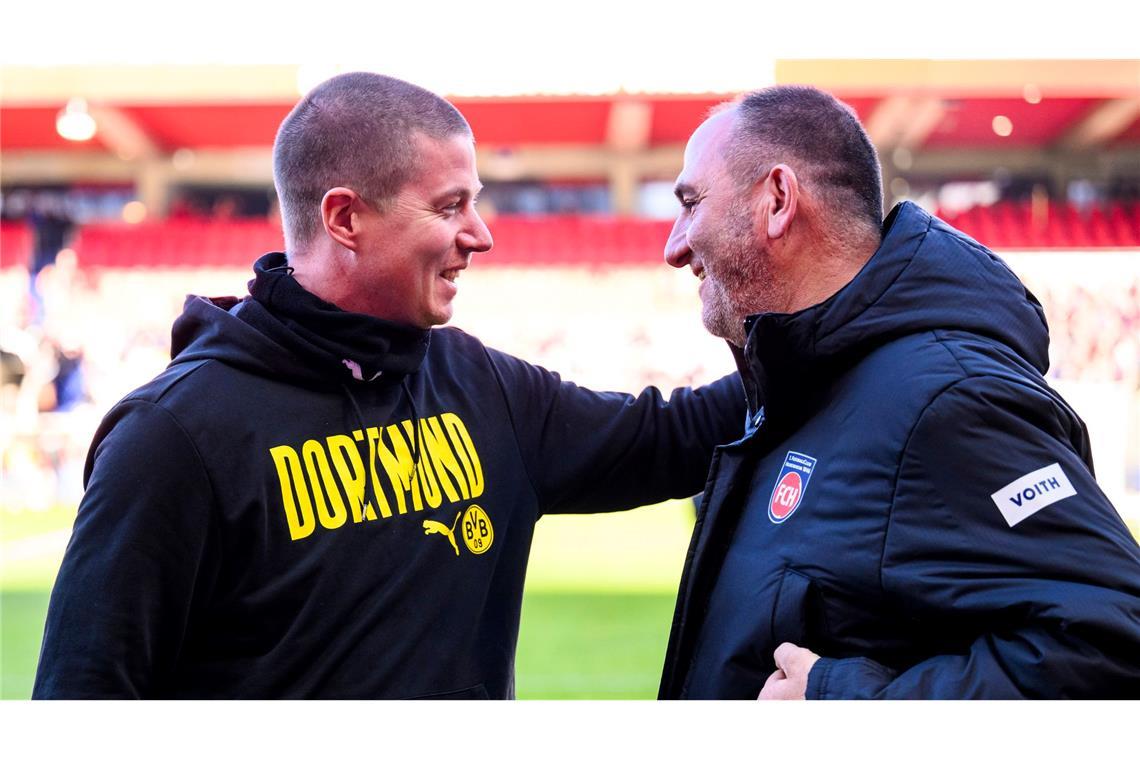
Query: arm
[121,602]
[1054,599]
[593,452]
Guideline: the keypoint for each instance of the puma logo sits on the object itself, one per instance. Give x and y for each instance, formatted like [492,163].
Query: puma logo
[431,526]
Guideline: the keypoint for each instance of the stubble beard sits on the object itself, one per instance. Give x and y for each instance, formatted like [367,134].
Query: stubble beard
[741,281]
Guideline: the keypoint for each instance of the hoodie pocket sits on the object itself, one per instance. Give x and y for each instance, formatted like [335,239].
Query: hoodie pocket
[797,615]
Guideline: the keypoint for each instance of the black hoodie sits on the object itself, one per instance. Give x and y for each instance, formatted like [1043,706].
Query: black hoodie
[315,503]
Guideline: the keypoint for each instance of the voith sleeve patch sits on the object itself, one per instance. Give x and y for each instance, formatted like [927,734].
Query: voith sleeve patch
[1032,492]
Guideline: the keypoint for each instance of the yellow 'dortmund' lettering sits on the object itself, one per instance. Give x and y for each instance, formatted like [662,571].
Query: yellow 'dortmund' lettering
[316,482]
[423,469]
[445,462]
[343,452]
[465,448]
[358,435]
[399,467]
[301,521]
[317,465]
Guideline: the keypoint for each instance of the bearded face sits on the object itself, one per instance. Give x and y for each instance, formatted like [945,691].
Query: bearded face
[736,273]
[717,237]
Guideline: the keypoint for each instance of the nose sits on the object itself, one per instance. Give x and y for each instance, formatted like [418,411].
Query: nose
[475,237]
[677,251]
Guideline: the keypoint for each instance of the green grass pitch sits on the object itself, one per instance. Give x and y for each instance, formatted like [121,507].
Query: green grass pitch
[593,645]
[595,618]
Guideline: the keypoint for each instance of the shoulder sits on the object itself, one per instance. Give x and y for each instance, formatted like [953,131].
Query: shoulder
[899,379]
[160,387]
[982,381]
[192,396]
[452,351]
[451,346]
[199,388]
[454,339]
[911,358]
[941,385]
[1000,400]
[928,363]
[980,357]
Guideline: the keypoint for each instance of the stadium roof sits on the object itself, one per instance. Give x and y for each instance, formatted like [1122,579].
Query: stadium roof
[920,104]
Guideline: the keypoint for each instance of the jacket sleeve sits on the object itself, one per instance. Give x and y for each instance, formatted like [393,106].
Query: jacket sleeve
[1053,599]
[119,609]
[587,451]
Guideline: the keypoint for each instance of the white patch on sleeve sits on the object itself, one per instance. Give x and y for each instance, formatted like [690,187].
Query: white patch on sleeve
[1031,493]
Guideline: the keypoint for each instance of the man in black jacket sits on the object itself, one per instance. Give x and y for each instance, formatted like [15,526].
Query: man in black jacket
[322,496]
[912,511]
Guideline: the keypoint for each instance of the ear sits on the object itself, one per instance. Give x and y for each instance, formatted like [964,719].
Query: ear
[340,210]
[783,190]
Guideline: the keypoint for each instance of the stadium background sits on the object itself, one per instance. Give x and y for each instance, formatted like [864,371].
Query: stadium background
[172,194]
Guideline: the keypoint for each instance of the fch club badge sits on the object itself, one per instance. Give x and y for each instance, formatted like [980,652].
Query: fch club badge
[790,486]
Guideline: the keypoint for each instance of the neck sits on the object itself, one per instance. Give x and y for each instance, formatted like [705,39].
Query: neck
[331,341]
[826,261]
[323,273]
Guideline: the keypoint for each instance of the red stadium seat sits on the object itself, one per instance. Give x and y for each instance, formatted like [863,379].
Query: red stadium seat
[15,244]
[556,240]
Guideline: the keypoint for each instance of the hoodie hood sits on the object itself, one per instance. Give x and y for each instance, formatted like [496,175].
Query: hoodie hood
[924,276]
[283,329]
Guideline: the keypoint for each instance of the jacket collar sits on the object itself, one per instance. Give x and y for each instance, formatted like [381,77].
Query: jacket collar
[785,354]
[924,276]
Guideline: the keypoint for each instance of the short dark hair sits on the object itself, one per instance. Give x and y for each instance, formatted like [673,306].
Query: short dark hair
[355,130]
[816,134]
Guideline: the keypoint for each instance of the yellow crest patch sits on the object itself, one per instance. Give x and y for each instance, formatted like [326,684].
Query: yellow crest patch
[477,531]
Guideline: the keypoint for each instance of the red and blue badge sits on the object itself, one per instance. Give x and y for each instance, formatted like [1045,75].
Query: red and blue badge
[790,486]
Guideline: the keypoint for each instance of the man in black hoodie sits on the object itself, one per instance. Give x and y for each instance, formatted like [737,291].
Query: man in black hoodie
[912,511]
[322,496]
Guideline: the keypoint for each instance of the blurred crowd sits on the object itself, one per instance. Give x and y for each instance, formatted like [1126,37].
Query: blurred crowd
[1095,333]
[74,341]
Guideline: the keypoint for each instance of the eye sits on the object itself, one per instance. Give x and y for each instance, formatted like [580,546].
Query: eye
[688,203]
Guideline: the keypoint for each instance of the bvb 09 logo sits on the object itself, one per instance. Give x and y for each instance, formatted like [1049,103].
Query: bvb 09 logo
[477,531]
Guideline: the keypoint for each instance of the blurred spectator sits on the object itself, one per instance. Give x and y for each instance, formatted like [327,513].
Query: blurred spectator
[1095,334]
[69,385]
[227,207]
[24,374]
[52,226]
[12,371]
[182,207]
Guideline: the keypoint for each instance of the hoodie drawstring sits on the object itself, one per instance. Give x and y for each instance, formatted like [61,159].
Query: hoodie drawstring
[364,457]
[415,421]
[417,443]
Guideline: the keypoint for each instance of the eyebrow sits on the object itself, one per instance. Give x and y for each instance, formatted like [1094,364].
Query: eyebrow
[681,189]
[459,192]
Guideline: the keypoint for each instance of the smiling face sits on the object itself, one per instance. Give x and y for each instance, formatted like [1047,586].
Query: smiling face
[715,234]
[412,252]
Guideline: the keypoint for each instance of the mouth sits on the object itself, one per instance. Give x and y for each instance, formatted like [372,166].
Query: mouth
[699,271]
[451,275]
